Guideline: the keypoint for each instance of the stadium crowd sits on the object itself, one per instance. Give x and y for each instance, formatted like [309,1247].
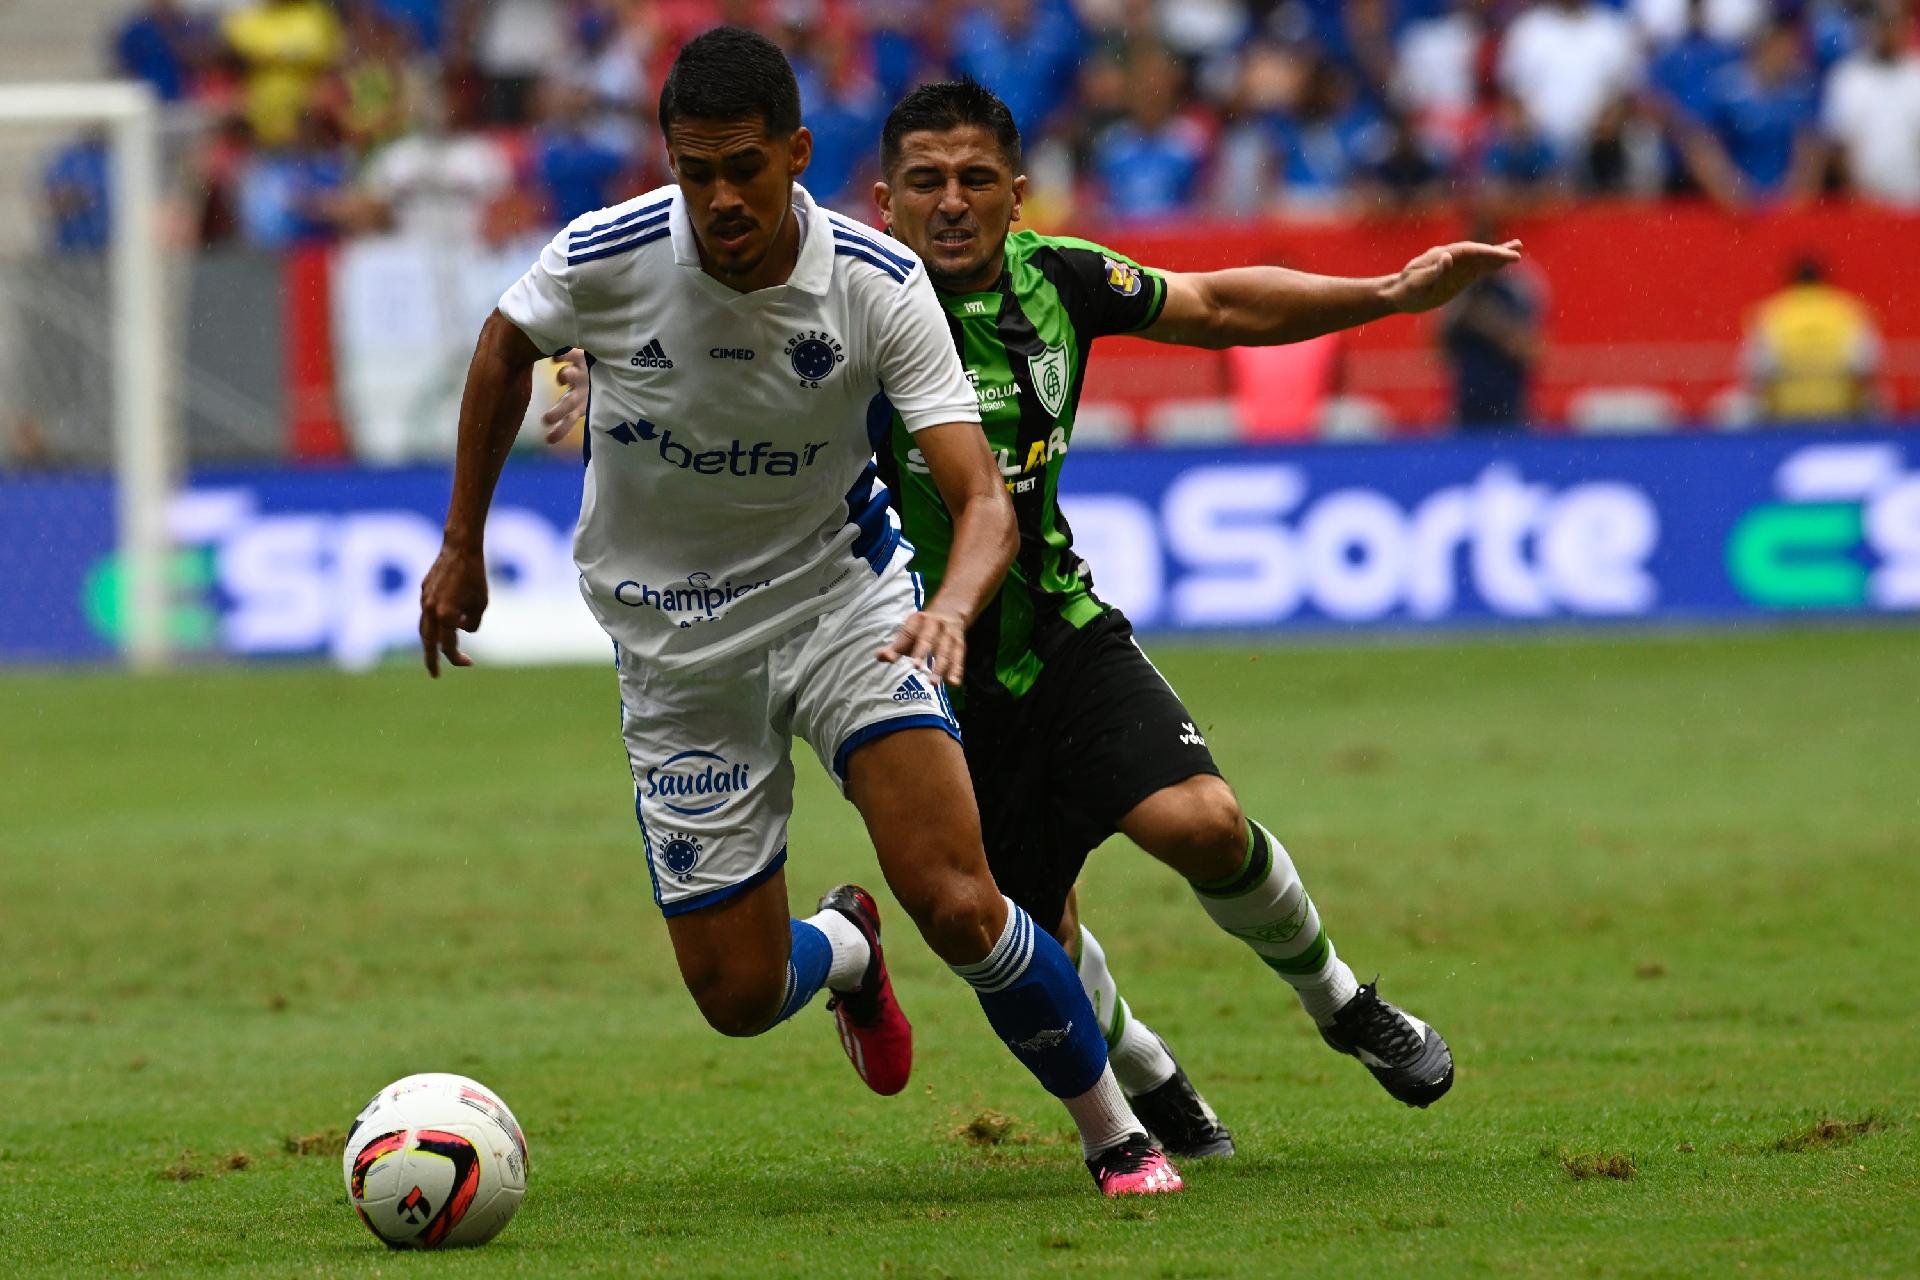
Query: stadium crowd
[308,119]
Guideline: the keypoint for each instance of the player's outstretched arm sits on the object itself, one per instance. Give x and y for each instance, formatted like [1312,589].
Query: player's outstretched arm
[984,540]
[499,383]
[1266,306]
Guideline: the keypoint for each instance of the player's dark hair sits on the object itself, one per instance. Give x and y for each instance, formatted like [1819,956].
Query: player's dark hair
[731,74]
[949,104]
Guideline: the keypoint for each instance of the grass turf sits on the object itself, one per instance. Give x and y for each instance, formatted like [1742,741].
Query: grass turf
[1658,892]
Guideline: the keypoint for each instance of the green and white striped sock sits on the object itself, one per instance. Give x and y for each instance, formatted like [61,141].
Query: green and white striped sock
[1265,906]
[1140,1061]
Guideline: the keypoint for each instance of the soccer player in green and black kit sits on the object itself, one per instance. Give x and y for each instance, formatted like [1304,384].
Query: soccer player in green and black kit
[1070,732]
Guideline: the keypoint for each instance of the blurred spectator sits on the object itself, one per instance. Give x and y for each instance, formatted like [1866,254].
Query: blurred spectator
[580,170]
[844,108]
[1517,163]
[1680,83]
[75,184]
[1626,154]
[162,46]
[1441,72]
[516,44]
[1024,50]
[285,194]
[285,47]
[1329,142]
[1490,337]
[1730,22]
[1406,176]
[1872,113]
[1148,164]
[1812,352]
[1759,140]
[422,24]
[1565,61]
[432,185]
[373,80]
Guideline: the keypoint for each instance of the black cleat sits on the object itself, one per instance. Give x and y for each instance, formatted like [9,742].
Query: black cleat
[1180,1119]
[1406,1056]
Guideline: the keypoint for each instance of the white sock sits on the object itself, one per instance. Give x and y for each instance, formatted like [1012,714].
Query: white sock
[850,949]
[1266,907]
[1140,1062]
[1102,1115]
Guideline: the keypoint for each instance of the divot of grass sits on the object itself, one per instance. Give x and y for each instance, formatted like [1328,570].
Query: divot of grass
[1826,1133]
[989,1128]
[235,1161]
[183,1168]
[1583,1165]
[325,1142]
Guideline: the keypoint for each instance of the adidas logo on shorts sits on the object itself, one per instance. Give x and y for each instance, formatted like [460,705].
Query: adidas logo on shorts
[651,356]
[911,690]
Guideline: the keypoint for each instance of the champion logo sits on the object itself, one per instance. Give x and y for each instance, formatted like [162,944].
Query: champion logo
[1190,736]
[911,690]
[651,356]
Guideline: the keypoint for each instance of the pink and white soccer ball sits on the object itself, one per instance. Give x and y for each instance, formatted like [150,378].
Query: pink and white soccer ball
[435,1161]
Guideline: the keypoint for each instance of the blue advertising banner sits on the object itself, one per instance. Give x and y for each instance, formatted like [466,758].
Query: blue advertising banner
[327,562]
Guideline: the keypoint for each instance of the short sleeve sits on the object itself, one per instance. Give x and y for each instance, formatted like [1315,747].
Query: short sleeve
[1112,292]
[918,367]
[541,301]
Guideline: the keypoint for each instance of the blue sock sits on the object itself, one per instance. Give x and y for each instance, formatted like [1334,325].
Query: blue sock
[807,966]
[1032,995]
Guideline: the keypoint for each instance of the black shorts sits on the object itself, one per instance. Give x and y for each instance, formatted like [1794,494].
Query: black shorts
[1056,770]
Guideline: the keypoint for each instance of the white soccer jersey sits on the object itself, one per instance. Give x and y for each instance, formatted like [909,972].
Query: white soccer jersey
[730,487]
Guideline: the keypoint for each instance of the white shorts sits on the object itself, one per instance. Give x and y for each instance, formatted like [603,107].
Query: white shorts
[711,748]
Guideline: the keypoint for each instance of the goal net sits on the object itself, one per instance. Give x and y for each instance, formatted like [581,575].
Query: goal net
[84,341]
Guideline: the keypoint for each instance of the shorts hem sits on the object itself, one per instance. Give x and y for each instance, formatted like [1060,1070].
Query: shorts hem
[881,728]
[681,906]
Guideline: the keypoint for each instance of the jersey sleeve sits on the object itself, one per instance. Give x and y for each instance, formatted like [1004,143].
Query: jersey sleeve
[541,301]
[1114,294]
[918,367]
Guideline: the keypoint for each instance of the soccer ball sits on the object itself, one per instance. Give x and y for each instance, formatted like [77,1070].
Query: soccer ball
[435,1161]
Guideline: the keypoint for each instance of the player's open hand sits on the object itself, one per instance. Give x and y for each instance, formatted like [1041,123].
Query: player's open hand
[452,598]
[934,639]
[573,402]
[1442,272]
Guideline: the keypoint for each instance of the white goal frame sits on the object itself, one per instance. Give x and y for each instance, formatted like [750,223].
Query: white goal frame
[143,454]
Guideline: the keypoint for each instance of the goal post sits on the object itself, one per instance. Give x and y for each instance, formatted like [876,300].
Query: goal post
[143,456]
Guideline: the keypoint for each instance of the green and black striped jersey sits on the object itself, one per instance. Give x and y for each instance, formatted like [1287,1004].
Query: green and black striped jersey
[1024,343]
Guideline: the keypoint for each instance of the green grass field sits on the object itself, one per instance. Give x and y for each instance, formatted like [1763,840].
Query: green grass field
[1660,893]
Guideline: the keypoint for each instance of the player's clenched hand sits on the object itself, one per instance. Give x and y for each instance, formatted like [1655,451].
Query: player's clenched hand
[934,639]
[1440,273]
[452,598]
[573,402]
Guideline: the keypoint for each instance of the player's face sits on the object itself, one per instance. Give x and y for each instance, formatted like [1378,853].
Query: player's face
[951,198]
[737,184]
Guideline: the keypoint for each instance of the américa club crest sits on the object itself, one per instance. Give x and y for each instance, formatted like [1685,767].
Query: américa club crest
[1049,373]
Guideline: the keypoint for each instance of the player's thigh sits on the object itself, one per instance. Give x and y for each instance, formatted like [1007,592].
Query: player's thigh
[712,778]
[886,733]
[1123,739]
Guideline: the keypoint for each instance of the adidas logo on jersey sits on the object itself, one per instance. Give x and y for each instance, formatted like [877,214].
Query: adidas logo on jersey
[651,356]
[911,690]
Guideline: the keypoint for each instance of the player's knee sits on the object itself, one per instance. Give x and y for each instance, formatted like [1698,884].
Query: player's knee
[1197,828]
[957,916]
[736,1004]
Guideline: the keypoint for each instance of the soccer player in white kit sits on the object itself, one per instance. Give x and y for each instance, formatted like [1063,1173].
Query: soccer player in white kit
[744,346]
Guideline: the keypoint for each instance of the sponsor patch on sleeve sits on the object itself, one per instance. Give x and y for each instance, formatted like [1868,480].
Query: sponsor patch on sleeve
[1122,277]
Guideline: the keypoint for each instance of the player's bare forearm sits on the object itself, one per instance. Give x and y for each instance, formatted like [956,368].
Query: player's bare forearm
[985,538]
[1268,306]
[499,385]
[454,593]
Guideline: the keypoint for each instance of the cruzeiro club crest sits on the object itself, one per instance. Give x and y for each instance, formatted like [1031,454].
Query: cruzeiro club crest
[680,853]
[1049,373]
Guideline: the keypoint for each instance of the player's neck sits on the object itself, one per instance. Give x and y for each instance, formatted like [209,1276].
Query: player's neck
[774,269]
[985,280]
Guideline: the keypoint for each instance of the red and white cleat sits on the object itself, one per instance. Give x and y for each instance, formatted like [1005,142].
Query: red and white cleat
[1134,1167]
[874,1032]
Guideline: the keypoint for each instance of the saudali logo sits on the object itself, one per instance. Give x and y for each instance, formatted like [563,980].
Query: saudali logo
[1049,373]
